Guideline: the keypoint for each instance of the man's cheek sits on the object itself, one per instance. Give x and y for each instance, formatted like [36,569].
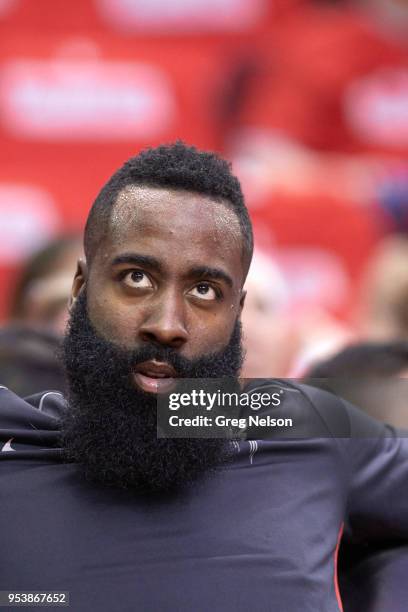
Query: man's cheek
[211,338]
[114,326]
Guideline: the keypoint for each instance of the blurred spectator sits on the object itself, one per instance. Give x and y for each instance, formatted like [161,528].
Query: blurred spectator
[321,336]
[284,328]
[372,376]
[382,313]
[365,359]
[325,104]
[269,336]
[28,344]
[42,293]
[333,78]
[28,362]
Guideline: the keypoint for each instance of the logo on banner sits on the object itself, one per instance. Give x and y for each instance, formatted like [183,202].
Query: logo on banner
[183,15]
[6,7]
[63,99]
[376,107]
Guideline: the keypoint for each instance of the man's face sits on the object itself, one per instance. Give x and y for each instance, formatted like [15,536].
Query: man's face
[161,299]
[168,273]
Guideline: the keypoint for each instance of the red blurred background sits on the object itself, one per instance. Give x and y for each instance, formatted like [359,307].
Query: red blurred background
[309,100]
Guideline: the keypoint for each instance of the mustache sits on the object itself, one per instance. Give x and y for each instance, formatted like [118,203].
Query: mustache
[183,366]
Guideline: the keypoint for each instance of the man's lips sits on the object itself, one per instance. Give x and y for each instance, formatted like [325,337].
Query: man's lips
[154,376]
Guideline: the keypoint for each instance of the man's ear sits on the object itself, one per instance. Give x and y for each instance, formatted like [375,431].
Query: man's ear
[242,301]
[79,281]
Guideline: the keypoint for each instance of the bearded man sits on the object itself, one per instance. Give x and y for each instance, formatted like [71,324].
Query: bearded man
[94,503]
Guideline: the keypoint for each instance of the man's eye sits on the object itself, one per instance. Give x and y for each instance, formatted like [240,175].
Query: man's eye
[137,278]
[204,291]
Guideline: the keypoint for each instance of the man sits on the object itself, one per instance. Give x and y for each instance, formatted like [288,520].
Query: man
[370,375]
[95,504]
[28,360]
[37,318]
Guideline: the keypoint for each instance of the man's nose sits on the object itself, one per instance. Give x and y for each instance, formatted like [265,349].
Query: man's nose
[165,324]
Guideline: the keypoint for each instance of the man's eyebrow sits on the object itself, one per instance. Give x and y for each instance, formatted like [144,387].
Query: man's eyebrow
[212,273]
[137,259]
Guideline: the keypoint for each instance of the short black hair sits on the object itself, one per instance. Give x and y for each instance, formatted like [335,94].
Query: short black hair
[364,359]
[176,166]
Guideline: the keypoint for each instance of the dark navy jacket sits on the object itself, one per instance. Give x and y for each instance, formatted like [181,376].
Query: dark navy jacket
[261,535]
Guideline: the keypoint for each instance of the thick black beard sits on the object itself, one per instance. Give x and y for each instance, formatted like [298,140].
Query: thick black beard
[110,427]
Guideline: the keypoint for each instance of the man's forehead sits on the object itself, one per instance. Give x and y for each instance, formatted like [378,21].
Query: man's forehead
[143,208]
